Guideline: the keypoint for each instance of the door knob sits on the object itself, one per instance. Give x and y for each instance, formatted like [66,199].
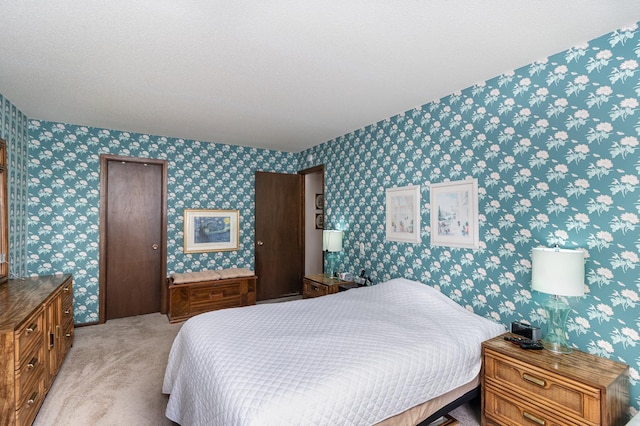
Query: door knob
[260,243]
[155,247]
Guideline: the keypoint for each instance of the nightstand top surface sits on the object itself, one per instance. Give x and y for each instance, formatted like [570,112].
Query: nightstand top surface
[321,279]
[597,370]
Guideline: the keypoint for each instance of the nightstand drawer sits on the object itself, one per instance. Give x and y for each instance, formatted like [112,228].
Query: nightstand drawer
[543,387]
[504,410]
[313,289]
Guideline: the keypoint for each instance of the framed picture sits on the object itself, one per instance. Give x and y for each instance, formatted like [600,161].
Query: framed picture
[454,214]
[319,221]
[211,230]
[319,201]
[403,214]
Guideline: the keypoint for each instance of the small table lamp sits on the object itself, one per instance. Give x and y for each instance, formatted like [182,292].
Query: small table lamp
[331,243]
[559,272]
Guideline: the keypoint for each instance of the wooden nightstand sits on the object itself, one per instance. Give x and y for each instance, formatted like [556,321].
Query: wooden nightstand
[539,387]
[316,285]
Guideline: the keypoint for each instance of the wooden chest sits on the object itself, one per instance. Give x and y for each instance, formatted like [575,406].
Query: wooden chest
[539,387]
[189,299]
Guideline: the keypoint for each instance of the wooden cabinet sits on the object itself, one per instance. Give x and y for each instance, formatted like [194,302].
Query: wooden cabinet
[317,285]
[4,215]
[529,387]
[59,329]
[35,335]
[193,298]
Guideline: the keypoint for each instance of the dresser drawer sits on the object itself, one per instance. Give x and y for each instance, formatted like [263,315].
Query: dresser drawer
[30,334]
[313,289]
[551,392]
[504,410]
[27,410]
[30,375]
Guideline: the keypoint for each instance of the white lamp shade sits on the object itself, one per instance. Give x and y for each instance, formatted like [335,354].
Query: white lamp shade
[332,240]
[557,271]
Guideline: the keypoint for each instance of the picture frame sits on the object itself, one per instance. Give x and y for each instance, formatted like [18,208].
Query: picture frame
[454,214]
[403,214]
[319,221]
[319,201]
[211,230]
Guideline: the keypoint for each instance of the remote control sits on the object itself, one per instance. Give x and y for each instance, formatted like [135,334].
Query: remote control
[524,343]
[518,340]
[532,345]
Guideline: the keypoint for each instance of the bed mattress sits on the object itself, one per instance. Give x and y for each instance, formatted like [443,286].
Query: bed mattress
[352,358]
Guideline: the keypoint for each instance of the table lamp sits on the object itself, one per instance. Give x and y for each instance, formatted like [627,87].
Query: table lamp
[331,243]
[559,272]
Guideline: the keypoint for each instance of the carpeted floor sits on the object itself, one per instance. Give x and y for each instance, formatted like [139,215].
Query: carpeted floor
[113,376]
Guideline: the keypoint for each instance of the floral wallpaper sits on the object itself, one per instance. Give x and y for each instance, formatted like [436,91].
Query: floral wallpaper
[14,130]
[554,146]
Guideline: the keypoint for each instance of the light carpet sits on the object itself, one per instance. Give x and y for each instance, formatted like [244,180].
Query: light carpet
[113,376]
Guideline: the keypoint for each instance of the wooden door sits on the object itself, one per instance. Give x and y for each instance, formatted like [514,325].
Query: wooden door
[278,248]
[133,236]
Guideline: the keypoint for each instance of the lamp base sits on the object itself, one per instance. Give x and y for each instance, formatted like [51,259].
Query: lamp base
[556,338]
[331,268]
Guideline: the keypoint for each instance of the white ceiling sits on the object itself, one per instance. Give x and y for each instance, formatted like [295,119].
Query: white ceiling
[279,74]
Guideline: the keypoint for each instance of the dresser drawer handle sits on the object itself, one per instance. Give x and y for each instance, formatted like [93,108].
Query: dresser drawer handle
[32,363]
[533,418]
[33,398]
[68,335]
[534,380]
[33,327]
[67,311]
[315,288]
[65,289]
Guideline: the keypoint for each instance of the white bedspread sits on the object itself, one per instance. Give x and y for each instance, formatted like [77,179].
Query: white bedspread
[351,358]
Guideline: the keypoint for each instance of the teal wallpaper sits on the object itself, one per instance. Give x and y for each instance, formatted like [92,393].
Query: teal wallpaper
[554,146]
[64,197]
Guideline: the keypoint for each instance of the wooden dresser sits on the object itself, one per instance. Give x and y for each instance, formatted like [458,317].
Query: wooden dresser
[36,332]
[193,298]
[538,387]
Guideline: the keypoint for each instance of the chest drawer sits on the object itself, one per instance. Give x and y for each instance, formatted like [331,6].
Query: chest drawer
[214,296]
[546,388]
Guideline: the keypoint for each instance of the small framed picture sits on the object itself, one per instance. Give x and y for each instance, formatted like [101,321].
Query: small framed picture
[454,214]
[403,214]
[319,201]
[319,221]
[211,230]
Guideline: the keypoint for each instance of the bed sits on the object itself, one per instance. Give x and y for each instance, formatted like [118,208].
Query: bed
[360,357]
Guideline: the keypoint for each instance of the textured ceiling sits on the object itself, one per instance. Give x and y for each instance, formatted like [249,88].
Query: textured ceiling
[283,75]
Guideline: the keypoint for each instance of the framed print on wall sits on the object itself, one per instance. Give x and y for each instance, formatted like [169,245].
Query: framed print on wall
[211,230]
[454,214]
[403,214]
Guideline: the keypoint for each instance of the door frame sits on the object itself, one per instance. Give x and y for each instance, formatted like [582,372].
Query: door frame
[315,169]
[104,161]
